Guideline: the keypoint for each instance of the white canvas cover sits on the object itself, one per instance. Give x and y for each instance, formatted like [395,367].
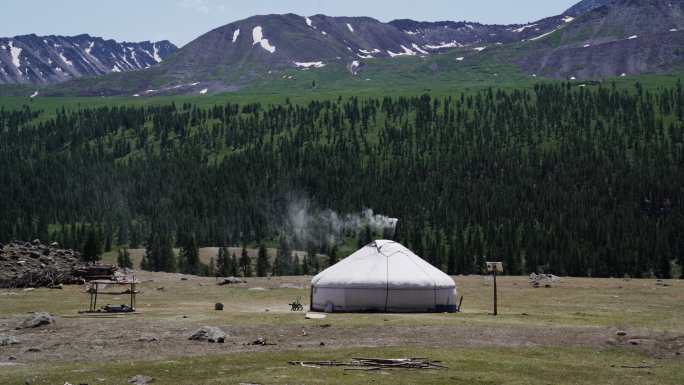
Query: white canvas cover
[383,276]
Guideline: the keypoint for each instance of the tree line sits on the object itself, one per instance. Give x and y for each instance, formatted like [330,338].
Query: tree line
[562,179]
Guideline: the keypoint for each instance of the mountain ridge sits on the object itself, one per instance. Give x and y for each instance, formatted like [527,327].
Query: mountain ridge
[594,39]
[40,60]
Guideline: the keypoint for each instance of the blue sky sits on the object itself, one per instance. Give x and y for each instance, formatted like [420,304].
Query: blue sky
[183,20]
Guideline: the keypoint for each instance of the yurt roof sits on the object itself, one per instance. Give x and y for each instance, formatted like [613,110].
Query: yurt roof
[383,264]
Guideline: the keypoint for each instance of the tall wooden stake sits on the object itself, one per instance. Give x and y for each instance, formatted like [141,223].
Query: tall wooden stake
[496,310]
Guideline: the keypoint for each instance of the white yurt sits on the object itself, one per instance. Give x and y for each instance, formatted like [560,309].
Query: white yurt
[383,276]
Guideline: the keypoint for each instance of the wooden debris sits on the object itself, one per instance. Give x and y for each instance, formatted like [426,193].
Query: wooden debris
[369,364]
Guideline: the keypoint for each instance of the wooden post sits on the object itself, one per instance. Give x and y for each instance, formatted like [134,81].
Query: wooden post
[496,310]
[311,297]
[495,267]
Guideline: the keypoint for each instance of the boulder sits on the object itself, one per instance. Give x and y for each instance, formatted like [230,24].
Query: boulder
[209,333]
[140,380]
[36,320]
[8,340]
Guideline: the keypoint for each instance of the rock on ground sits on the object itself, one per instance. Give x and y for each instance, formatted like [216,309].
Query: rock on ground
[140,380]
[36,320]
[209,333]
[8,340]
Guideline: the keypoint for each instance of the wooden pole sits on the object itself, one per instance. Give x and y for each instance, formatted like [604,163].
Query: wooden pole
[496,310]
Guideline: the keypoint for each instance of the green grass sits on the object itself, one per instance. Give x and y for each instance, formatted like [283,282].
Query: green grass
[465,366]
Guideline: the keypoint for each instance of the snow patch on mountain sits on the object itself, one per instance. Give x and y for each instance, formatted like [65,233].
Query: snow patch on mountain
[157,58]
[417,48]
[258,37]
[568,19]
[524,27]
[65,60]
[308,22]
[407,52]
[236,34]
[307,65]
[16,54]
[632,37]
[442,45]
[354,66]
[351,29]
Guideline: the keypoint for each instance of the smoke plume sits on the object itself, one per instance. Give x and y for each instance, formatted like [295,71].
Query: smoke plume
[308,225]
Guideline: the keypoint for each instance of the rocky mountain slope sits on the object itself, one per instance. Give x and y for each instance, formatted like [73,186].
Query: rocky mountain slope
[594,39]
[32,59]
[585,6]
[623,37]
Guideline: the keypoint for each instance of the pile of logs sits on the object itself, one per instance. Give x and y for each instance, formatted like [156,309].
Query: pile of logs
[375,363]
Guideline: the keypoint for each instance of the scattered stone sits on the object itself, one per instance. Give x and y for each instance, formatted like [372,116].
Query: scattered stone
[325,325]
[634,342]
[140,380]
[322,343]
[314,316]
[209,333]
[33,350]
[231,281]
[161,288]
[261,341]
[218,306]
[8,340]
[621,333]
[184,279]
[36,320]
[11,358]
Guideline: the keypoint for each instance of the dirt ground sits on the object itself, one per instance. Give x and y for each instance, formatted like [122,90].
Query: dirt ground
[578,312]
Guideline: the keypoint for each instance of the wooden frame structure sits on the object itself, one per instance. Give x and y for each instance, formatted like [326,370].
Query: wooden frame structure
[98,286]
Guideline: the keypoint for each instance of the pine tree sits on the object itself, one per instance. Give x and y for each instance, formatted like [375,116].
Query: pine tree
[282,263]
[159,255]
[189,257]
[245,263]
[262,263]
[123,259]
[223,268]
[234,266]
[92,249]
